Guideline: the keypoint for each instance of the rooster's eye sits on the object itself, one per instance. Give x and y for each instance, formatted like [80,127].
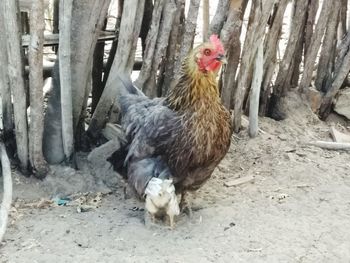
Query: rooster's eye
[207,52]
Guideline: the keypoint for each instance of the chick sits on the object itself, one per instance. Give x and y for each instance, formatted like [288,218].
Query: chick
[161,200]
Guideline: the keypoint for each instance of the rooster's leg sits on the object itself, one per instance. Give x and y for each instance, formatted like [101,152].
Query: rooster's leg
[185,204]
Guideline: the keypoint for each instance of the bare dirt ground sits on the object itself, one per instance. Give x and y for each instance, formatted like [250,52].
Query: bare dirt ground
[297,209]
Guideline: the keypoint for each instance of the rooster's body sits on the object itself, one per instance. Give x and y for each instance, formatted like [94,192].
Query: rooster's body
[189,131]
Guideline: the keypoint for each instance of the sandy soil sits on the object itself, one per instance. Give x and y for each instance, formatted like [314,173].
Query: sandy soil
[297,209]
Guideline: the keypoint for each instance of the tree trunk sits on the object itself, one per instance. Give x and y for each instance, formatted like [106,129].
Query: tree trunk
[36,83]
[10,10]
[123,62]
[315,43]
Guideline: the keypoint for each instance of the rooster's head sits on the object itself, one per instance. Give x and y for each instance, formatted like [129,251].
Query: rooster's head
[210,55]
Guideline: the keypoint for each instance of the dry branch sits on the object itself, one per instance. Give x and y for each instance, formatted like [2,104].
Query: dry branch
[36,83]
[9,10]
[331,145]
[7,193]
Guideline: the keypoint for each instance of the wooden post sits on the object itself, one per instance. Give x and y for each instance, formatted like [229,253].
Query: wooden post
[65,22]
[10,10]
[36,83]
[167,73]
[230,37]
[156,44]
[7,192]
[123,62]
[287,65]
[187,39]
[87,20]
[270,53]
[315,43]
[327,56]
[205,9]
[5,90]
[255,91]
[220,17]
[259,17]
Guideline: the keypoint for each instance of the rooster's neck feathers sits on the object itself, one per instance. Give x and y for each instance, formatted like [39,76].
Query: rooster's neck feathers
[194,88]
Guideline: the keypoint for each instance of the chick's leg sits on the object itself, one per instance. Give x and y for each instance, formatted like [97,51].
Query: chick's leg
[149,219]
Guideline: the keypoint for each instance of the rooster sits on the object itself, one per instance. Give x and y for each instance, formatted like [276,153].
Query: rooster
[185,134]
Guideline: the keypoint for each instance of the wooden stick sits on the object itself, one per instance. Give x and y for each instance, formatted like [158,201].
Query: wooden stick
[7,196]
[66,7]
[53,39]
[315,44]
[255,94]
[205,8]
[36,84]
[331,145]
[5,89]
[123,62]
[241,180]
[9,10]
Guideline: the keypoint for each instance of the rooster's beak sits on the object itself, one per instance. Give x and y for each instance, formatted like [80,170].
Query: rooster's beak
[221,58]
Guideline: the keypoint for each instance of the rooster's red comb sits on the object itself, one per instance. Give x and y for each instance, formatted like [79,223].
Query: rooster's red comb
[214,39]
